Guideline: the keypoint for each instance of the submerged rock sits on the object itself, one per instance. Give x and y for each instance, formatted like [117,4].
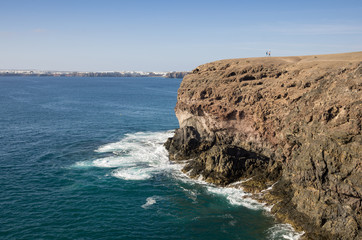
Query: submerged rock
[291,120]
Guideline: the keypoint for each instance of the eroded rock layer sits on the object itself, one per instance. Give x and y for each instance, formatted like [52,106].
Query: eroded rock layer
[293,121]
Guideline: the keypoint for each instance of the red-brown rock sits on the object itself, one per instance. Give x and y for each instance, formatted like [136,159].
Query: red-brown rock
[296,119]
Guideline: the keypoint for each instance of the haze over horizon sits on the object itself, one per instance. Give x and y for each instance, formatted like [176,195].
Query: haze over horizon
[169,36]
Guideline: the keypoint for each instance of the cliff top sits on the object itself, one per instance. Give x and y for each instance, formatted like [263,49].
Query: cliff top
[315,59]
[239,66]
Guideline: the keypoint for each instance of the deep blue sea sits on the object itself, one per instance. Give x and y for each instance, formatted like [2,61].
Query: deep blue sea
[83,158]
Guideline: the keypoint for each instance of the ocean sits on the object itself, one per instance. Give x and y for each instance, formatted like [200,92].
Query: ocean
[83,158]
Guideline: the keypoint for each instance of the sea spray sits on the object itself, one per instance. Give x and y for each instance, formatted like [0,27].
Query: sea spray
[141,156]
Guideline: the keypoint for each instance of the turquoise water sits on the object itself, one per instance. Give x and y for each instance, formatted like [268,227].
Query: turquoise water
[82,158]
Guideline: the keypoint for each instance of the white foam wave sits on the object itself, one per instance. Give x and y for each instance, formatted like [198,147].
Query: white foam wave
[149,202]
[237,196]
[112,162]
[132,173]
[239,182]
[284,231]
[269,188]
[184,177]
[135,140]
[137,156]
[268,208]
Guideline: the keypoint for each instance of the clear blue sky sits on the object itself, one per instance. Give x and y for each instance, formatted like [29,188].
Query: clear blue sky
[158,35]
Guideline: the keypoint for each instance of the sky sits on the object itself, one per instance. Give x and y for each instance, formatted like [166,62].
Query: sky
[159,35]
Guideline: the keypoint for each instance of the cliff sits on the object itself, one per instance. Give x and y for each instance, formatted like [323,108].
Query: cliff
[176,74]
[294,122]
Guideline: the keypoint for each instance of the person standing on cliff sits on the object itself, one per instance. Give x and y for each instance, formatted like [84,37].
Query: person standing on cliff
[266,53]
[269,53]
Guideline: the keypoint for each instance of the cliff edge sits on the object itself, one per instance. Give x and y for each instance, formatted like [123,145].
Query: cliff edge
[293,123]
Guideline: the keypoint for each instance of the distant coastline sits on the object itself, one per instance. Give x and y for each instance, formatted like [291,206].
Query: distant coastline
[91,74]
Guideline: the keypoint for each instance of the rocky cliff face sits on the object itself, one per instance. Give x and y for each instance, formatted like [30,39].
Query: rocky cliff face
[176,74]
[293,121]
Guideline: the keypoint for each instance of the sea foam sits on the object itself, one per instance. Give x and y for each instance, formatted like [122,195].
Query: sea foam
[149,202]
[237,196]
[140,156]
[137,156]
[132,173]
[284,231]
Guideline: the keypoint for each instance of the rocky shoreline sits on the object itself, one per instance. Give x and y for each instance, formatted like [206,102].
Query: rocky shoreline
[293,123]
